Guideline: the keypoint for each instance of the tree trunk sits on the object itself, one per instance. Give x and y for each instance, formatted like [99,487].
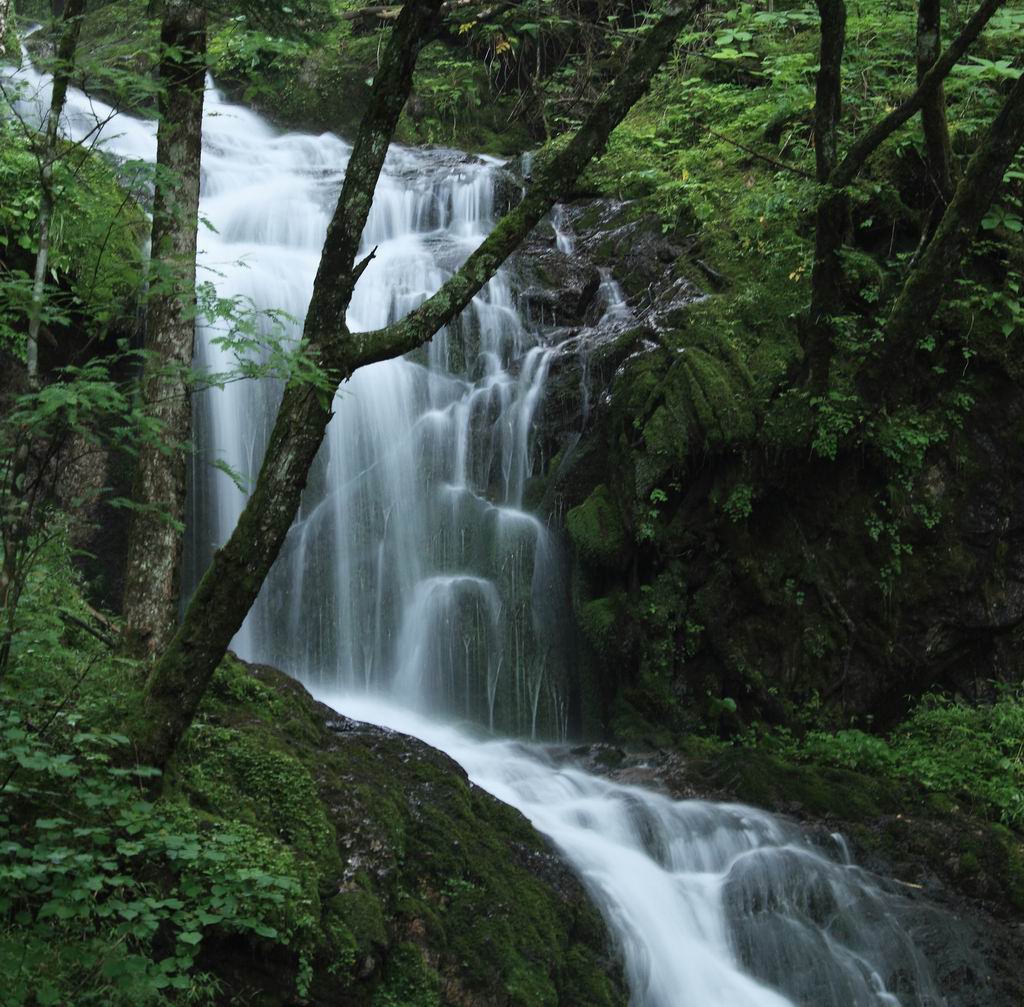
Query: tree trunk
[8,36]
[832,211]
[871,139]
[153,569]
[831,215]
[231,584]
[13,536]
[62,67]
[939,153]
[932,276]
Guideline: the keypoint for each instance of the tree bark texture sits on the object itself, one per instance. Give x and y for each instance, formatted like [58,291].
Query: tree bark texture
[832,211]
[8,37]
[229,587]
[231,584]
[938,152]
[153,569]
[931,277]
[63,65]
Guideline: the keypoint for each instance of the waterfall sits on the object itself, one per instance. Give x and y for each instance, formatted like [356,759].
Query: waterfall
[416,576]
[412,567]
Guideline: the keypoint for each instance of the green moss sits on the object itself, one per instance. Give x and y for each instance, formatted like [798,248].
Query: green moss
[408,980]
[600,620]
[236,775]
[596,528]
[410,875]
[359,912]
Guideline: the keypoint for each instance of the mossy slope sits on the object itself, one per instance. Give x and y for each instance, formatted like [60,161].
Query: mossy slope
[423,889]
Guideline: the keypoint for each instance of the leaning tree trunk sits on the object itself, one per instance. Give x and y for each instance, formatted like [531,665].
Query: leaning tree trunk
[924,288]
[49,151]
[939,154]
[231,584]
[153,570]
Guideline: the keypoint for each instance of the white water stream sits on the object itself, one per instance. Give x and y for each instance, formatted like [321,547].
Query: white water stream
[416,579]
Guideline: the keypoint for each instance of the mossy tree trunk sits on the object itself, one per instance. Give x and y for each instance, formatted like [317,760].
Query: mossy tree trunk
[48,152]
[933,114]
[8,37]
[153,569]
[835,174]
[933,275]
[231,584]
[832,211]
[872,138]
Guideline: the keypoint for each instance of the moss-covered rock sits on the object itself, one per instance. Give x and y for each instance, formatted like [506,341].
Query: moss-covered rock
[423,889]
[596,528]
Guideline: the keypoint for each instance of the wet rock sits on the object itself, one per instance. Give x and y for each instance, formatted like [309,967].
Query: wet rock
[966,924]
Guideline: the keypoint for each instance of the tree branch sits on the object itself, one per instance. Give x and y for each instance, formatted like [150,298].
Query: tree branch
[71,27]
[549,185]
[335,278]
[933,111]
[922,292]
[231,584]
[848,169]
[775,163]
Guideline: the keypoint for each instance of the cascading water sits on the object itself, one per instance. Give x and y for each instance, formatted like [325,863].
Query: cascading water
[414,572]
[412,565]
[714,905]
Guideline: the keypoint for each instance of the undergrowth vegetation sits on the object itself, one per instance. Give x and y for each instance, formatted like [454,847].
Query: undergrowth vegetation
[106,894]
[789,541]
[972,753]
[708,603]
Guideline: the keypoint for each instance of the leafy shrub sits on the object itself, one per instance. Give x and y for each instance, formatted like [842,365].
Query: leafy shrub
[971,751]
[849,749]
[977,751]
[105,896]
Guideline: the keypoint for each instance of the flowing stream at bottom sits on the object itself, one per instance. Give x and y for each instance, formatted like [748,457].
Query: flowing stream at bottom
[416,571]
[712,905]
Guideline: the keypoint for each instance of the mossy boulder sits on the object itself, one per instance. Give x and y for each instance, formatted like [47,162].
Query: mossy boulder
[422,890]
[596,528]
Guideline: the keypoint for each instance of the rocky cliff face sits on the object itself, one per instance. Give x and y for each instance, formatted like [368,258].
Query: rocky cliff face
[717,556]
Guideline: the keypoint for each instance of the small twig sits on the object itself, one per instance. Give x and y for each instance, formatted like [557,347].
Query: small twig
[755,153]
[361,268]
[73,620]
